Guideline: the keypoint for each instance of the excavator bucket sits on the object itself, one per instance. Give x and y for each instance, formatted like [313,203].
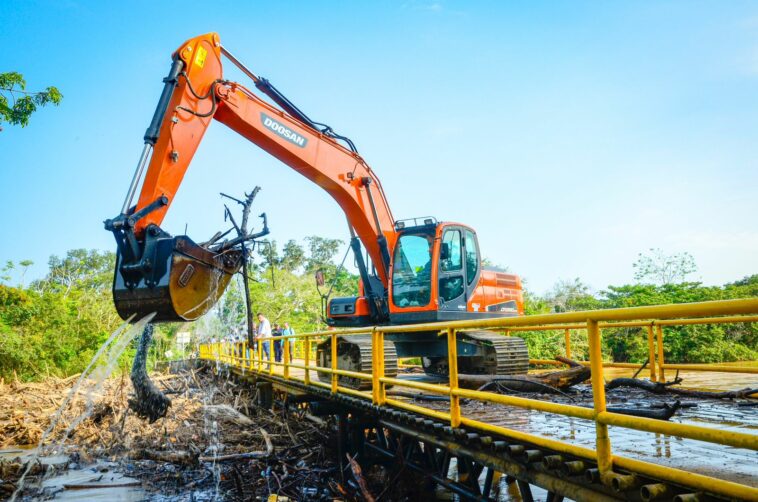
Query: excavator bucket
[177,278]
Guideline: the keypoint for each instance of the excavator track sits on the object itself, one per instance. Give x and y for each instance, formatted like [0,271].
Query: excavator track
[354,354]
[502,355]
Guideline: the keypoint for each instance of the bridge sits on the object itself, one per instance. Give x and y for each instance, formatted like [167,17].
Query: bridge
[467,440]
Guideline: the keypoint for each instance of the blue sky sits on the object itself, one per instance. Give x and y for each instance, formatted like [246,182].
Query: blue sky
[570,135]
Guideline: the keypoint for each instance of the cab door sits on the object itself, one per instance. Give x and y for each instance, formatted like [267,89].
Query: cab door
[451,274]
[473,265]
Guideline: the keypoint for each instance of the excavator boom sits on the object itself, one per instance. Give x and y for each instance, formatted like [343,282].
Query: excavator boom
[195,92]
[202,94]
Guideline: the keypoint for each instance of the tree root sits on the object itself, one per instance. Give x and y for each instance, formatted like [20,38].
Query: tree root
[668,411]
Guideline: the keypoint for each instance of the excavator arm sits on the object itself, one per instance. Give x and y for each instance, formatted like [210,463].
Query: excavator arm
[195,92]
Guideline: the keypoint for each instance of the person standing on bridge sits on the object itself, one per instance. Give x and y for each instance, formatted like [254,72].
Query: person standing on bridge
[263,335]
[277,343]
[290,333]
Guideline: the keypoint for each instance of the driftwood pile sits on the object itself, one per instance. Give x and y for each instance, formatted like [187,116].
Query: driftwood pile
[212,434]
[22,403]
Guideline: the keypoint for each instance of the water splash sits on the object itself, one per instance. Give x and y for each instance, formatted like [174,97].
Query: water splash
[114,346]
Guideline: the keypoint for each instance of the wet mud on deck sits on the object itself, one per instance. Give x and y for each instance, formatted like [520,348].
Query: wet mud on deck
[725,462]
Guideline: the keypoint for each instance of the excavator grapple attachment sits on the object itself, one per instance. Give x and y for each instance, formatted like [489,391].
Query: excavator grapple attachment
[178,279]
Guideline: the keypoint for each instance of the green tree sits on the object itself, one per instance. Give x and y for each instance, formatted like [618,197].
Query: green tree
[17,104]
[657,267]
[746,287]
[489,264]
[57,324]
[571,295]
[293,256]
[6,271]
[322,251]
[566,295]
[81,268]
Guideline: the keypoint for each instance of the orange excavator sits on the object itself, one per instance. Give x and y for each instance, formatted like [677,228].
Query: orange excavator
[414,271]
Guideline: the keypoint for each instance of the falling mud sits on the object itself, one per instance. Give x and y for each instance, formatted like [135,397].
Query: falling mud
[148,402]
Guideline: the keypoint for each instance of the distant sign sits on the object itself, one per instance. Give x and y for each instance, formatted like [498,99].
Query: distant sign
[183,338]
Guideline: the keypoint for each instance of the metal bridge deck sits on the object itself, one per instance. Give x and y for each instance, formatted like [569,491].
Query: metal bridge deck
[733,464]
[579,447]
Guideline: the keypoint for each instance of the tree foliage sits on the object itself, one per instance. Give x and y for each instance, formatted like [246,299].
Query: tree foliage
[17,104]
[657,267]
[282,285]
[686,344]
[56,324]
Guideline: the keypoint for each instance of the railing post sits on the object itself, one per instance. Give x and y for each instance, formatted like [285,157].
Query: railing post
[307,361]
[271,354]
[603,442]
[455,401]
[286,356]
[260,355]
[334,362]
[567,336]
[659,333]
[651,353]
[377,367]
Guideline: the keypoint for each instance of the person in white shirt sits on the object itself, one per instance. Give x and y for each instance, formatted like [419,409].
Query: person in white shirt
[264,332]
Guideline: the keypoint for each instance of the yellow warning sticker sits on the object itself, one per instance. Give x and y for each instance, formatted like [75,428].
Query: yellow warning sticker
[200,56]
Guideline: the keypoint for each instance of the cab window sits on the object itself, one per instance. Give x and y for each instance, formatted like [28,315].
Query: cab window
[450,258]
[472,257]
[451,266]
[411,277]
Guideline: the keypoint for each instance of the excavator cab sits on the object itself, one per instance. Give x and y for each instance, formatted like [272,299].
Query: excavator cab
[436,274]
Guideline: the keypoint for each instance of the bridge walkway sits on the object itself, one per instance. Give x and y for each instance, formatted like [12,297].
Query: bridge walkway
[570,447]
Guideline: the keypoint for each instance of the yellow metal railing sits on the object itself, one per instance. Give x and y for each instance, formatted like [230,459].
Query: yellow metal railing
[654,318]
[656,364]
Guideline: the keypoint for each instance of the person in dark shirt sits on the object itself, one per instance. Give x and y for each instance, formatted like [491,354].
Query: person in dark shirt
[277,331]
